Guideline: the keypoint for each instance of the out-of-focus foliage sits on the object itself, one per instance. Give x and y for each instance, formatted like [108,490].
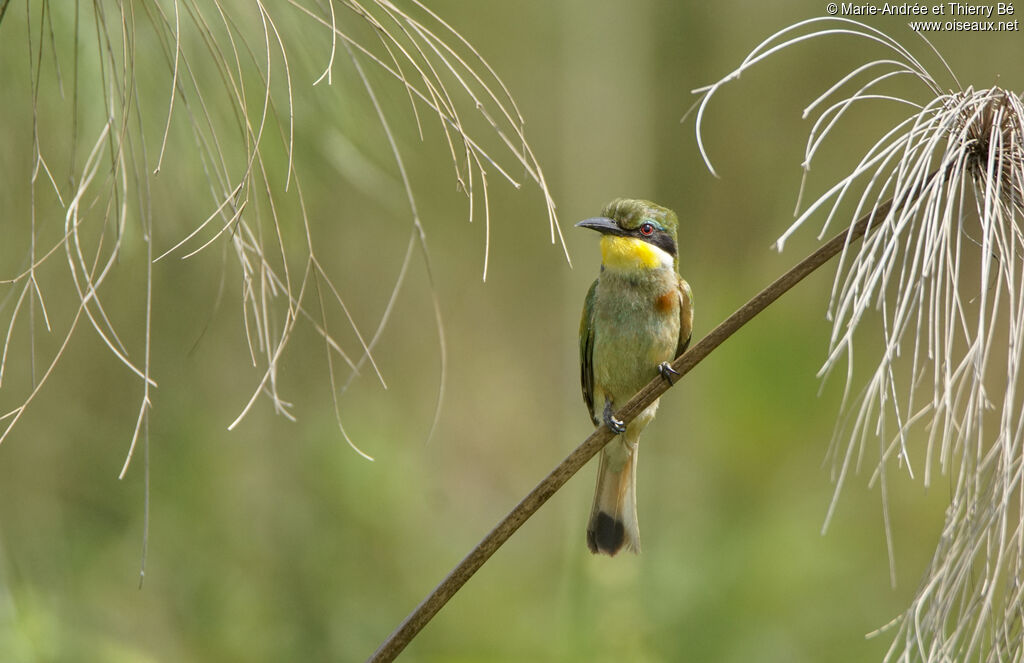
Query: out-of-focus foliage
[277,542]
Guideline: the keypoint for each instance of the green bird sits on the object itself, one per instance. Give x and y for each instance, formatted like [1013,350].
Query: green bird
[638,316]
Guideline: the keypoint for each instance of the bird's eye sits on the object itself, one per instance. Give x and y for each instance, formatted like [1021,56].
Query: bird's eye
[647,229]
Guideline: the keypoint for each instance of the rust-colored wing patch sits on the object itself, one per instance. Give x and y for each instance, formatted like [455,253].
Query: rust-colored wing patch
[665,302]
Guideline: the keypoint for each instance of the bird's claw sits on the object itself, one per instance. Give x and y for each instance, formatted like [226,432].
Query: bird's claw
[614,424]
[666,371]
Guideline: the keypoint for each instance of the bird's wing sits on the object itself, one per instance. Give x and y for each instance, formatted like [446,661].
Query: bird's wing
[587,351]
[685,316]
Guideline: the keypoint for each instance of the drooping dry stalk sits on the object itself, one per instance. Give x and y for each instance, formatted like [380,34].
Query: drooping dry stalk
[223,81]
[228,112]
[940,285]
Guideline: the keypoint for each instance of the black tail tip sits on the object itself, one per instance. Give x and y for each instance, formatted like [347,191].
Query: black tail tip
[605,534]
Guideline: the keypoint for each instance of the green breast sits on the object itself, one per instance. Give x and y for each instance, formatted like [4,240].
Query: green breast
[632,334]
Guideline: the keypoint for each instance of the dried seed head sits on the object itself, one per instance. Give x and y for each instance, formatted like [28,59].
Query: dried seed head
[939,283]
[992,126]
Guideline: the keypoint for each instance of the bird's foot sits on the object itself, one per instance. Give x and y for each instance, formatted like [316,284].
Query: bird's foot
[614,425]
[666,371]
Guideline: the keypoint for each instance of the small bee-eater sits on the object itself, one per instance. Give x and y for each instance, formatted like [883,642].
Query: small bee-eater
[638,316]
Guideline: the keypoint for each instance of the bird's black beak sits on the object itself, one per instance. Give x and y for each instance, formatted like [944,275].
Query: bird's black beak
[601,224]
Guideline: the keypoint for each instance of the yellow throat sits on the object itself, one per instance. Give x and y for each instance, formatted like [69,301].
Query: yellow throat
[629,253]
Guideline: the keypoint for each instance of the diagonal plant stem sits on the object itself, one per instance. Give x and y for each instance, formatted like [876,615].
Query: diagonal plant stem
[536,498]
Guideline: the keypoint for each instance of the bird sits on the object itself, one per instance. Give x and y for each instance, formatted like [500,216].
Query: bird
[637,318]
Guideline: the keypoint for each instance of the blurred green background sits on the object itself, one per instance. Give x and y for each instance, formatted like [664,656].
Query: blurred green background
[276,541]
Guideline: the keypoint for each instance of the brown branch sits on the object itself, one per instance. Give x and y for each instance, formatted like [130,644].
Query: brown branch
[426,610]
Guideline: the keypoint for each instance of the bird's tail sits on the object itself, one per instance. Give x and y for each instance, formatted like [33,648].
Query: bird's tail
[613,520]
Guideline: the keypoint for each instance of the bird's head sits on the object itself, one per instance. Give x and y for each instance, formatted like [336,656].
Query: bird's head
[636,235]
